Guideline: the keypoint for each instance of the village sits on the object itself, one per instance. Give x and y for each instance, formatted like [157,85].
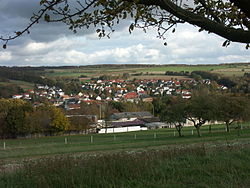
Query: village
[101,92]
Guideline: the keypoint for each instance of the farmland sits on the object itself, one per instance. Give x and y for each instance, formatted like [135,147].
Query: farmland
[223,69]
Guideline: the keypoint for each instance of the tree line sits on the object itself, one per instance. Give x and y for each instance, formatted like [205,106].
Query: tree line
[202,108]
[20,118]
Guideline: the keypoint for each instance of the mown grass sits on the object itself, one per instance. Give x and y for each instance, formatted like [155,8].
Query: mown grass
[18,149]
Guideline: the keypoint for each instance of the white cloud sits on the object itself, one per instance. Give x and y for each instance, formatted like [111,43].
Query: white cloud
[55,45]
[5,56]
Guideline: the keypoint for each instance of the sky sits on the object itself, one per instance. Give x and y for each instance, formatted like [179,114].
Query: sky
[54,45]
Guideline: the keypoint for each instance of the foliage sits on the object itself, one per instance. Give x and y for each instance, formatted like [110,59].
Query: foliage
[174,113]
[19,118]
[205,75]
[231,109]
[228,19]
[14,117]
[7,90]
[200,109]
[79,123]
[39,120]
[58,120]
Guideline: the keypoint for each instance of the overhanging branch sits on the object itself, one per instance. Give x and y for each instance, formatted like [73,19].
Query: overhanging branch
[229,33]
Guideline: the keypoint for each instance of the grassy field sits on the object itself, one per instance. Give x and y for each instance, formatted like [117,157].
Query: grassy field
[227,70]
[18,149]
[156,158]
[22,84]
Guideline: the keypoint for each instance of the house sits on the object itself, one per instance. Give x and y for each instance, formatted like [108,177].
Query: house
[72,106]
[17,96]
[64,97]
[130,96]
[98,98]
[26,96]
[157,125]
[135,122]
[126,122]
[146,98]
[30,91]
[186,96]
[121,129]
[128,116]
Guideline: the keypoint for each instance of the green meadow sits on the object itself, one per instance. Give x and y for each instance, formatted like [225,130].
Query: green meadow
[154,158]
[18,149]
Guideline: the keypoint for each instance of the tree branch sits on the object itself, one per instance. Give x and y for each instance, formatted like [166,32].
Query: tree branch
[36,20]
[229,33]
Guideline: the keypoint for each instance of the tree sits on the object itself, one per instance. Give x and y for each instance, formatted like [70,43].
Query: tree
[229,19]
[232,109]
[16,120]
[40,120]
[59,122]
[174,113]
[79,123]
[13,117]
[200,109]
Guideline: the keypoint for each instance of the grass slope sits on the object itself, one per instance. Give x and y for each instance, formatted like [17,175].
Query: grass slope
[155,159]
[18,149]
[196,166]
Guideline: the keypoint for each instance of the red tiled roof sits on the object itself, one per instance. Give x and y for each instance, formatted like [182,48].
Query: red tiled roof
[130,95]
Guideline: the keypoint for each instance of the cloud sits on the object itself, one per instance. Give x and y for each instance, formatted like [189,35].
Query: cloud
[53,44]
[5,56]
[42,54]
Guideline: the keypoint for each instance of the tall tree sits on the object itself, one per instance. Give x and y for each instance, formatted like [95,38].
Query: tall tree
[200,109]
[232,109]
[16,120]
[174,113]
[229,19]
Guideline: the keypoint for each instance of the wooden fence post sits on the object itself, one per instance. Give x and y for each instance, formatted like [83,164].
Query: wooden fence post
[65,140]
